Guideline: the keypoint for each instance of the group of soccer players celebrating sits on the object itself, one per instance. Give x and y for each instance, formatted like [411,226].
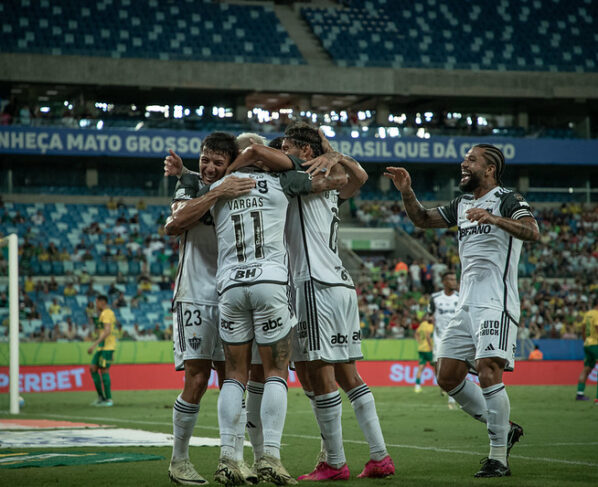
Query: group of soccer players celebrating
[260,287]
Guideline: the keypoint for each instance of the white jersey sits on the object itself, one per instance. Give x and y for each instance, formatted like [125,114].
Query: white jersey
[250,230]
[196,274]
[489,255]
[442,307]
[312,236]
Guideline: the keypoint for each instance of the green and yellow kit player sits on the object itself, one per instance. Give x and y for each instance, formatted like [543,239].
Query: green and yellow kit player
[423,335]
[590,348]
[105,342]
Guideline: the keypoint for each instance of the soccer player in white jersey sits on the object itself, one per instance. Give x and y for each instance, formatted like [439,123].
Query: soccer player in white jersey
[443,305]
[493,222]
[252,284]
[328,339]
[195,301]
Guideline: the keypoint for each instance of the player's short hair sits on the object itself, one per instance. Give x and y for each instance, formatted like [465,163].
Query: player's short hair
[447,273]
[102,297]
[221,143]
[276,143]
[493,155]
[245,139]
[302,134]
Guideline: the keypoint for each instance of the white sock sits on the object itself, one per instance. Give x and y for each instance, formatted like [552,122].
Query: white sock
[364,406]
[240,433]
[329,409]
[273,413]
[229,413]
[471,399]
[312,401]
[255,392]
[184,417]
[499,409]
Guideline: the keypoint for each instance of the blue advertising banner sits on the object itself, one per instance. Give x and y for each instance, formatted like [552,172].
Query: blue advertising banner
[155,144]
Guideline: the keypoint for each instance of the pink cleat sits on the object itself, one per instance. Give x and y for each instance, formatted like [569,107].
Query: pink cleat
[324,471]
[378,469]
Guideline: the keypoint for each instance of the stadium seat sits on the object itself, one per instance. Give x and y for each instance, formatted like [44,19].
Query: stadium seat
[350,35]
[226,31]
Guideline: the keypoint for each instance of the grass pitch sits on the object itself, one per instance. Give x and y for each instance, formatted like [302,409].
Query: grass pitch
[430,444]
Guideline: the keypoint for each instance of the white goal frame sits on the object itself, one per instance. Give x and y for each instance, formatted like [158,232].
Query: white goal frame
[12,241]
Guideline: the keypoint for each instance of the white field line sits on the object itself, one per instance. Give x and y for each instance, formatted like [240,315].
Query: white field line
[359,442]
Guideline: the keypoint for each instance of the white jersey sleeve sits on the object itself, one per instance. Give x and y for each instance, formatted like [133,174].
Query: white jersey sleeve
[196,274]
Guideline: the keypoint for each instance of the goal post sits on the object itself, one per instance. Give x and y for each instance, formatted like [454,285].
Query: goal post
[12,241]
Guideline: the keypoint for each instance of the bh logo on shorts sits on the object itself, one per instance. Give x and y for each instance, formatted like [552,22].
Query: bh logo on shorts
[244,274]
[272,324]
[489,327]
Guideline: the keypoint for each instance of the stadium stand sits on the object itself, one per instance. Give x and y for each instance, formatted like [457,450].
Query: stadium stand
[509,35]
[72,252]
[185,30]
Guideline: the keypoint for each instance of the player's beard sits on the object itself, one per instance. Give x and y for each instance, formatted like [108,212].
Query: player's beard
[471,184]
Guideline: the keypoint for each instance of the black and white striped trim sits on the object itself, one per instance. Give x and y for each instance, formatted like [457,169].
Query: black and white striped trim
[185,408]
[277,380]
[329,402]
[255,389]
[458,389]
[313,328]
[503,337]
[180,327]
[358,392]
[523,212]
[495,391]
[235,382]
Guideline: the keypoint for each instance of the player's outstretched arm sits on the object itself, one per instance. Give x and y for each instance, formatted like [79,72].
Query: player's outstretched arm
[273,159]
[357,177]
[336,179]
[173,165]
[420,216]
[185,214]
[525,228]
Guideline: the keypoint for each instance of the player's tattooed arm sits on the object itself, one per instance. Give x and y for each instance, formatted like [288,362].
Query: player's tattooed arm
[336,179]
[356,175]
[420,216]
[185,214]
[525,228]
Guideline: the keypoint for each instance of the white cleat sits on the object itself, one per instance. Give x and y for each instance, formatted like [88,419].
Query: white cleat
[249,473]
[184,473]
[270,469]
[229,472]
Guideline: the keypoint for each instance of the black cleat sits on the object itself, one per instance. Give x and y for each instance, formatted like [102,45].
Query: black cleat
[493,468]
[515,433]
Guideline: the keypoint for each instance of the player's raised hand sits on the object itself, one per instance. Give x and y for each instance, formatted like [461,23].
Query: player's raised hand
[326,147]
[233,186]
[322,164]
[400,177]
[173,164]
[481,216]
